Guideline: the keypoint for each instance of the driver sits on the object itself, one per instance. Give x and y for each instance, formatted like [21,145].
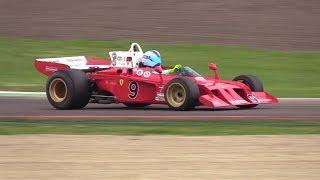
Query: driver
[153,58]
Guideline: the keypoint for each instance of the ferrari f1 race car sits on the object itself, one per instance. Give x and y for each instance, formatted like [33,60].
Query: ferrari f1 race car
[73,82]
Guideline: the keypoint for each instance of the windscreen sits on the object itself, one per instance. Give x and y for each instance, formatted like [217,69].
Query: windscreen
[187,71]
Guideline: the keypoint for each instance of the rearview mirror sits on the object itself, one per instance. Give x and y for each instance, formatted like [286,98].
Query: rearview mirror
[213,66]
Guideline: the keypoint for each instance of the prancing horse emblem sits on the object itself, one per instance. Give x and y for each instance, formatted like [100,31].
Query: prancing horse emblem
[121,82]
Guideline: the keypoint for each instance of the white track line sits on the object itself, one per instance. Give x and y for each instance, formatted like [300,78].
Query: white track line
[22,94]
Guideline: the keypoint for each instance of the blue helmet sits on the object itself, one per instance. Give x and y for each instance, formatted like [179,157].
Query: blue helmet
[151,58]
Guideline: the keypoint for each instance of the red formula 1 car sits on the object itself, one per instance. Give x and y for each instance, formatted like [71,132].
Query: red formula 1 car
[75,81]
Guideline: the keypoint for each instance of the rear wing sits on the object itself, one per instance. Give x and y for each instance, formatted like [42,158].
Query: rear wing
[48,66]
[130,58]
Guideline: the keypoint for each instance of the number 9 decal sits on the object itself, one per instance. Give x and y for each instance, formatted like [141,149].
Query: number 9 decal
[133,90]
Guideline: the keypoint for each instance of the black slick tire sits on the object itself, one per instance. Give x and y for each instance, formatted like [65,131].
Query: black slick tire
[68,89]
[253,83]
[181,94]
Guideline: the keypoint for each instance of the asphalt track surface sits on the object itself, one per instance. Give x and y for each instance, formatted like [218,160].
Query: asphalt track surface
[272,24]
[39,108]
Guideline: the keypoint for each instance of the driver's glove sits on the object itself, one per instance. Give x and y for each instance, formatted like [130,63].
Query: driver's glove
[175,68]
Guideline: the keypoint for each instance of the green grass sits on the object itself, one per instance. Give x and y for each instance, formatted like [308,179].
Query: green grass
[172,127]
[285,74]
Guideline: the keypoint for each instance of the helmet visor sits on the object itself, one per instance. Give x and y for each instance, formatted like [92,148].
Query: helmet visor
[148,62]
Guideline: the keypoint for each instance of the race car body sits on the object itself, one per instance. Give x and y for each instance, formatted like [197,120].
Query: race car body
[75,81]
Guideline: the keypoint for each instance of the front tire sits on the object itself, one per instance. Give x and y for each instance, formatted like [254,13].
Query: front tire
[181,94]
[253,83]
[68,89]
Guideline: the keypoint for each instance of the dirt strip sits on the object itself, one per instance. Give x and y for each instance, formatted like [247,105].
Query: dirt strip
[159,157]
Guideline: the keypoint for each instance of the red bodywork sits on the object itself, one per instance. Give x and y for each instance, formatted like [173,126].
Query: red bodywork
[144,85]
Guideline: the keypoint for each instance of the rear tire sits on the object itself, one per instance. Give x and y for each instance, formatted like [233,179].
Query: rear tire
[68,89]
[253,83]
[181,94]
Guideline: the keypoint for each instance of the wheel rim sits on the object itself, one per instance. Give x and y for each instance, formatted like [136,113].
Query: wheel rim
[176,94]
[58,90]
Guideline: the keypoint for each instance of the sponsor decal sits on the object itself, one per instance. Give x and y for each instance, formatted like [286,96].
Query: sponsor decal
[114,56]
[159,97]
[238,102]
[121,81]
[119,58]
[51,69]
[73,60]
[252,98]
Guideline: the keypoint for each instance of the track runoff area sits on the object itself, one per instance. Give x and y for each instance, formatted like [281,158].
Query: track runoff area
[34,105]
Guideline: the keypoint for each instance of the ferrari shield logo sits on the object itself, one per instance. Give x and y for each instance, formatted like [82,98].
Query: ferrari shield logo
[121,82]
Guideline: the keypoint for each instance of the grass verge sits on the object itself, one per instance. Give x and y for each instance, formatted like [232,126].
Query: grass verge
[285,74]
[172,127]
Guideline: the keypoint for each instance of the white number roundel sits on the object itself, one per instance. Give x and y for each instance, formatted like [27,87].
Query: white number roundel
[139,72]
[146,74]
